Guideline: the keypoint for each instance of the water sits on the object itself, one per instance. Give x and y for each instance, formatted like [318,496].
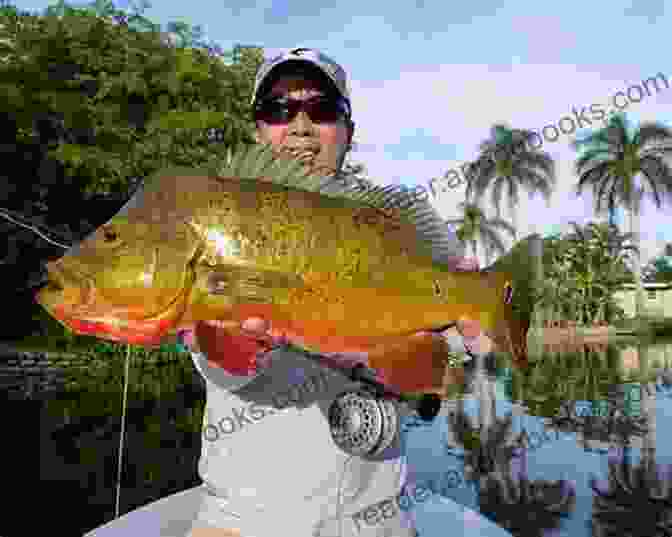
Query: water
[65,424]
[557,453]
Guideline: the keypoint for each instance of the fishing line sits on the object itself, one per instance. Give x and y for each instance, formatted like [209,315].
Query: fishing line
[123,427]
[32,228]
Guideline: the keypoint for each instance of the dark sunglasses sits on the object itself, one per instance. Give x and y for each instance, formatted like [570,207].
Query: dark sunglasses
[280,110]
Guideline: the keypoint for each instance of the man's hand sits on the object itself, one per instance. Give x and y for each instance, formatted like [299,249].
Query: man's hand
[475,340]
[237,347]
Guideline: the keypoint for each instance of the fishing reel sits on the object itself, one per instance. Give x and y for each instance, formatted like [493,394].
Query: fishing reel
[366,421]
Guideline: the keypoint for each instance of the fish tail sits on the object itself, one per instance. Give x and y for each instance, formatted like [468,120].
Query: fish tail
[521,269]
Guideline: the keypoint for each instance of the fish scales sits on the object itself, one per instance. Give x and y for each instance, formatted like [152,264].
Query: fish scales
[334,266]
[349,261]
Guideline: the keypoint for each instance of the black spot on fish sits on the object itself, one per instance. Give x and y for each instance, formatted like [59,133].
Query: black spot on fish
[218,284]
[110,235]
[508,293]
[437,288]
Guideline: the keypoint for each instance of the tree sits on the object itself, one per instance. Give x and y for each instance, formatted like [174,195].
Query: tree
[92,100]
[582,271]
[610,161]
[475,228]
[597,255]
[508,159]
[123,101]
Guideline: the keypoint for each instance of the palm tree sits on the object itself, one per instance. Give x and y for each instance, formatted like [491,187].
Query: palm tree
[509,159]
[613,158]
[475,228]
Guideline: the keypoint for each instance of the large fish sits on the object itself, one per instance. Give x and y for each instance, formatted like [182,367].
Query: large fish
[333,268]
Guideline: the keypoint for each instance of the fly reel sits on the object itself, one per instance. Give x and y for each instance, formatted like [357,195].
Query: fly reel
[366,421]
[362,423]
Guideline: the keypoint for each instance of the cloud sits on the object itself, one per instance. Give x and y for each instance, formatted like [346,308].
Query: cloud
[456,105]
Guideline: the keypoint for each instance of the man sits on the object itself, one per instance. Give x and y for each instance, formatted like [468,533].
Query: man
[268,462]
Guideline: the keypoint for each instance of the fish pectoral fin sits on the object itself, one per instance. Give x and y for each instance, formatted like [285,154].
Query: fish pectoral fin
[234,350]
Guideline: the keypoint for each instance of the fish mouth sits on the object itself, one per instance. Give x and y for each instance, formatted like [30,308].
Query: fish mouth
[145,333]
[114,324]
[92,316]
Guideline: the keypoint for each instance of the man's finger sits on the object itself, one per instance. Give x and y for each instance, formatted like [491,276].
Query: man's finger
[469,328]
[474,338]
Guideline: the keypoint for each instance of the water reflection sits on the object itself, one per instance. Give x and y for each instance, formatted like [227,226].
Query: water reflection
[495,462]
[603,399]
[573,444]
[634,499]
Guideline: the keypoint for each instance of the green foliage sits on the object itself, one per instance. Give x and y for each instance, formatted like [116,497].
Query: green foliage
[586,374]
[128,102]
[582,270]
[475,227]
[508,159]
[93,99]
[612,157]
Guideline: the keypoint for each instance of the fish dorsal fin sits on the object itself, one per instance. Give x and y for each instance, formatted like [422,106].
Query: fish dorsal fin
[259,162]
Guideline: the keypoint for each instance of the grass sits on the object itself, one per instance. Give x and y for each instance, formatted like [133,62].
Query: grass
[78,347]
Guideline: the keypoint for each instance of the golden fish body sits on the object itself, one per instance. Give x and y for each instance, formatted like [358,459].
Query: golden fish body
[333,273]
[330,265]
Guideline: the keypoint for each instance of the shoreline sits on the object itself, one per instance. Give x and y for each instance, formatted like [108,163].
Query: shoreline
[559,338]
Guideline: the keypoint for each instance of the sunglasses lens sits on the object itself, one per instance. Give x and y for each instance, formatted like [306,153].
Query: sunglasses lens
[281,112]
[325,112]
[273,112]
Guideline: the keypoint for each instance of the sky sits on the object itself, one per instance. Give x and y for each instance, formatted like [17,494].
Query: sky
[429,79]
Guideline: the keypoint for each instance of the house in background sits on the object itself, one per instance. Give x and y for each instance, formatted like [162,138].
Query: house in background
[657,299]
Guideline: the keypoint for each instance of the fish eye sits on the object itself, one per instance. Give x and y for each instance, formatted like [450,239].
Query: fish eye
[110,235]
[508,293]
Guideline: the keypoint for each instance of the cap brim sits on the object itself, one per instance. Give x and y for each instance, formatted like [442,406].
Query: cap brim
[262,82]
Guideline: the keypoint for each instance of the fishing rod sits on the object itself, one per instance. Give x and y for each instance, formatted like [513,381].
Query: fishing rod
[15,219]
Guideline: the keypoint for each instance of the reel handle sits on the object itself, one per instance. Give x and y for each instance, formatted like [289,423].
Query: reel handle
[427,405]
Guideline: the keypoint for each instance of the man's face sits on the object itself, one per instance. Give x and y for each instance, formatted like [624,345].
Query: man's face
[321,146]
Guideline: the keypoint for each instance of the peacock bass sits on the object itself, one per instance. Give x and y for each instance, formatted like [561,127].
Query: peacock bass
[332,267]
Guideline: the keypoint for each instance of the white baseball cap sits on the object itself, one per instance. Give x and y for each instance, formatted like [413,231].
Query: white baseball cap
[334,72]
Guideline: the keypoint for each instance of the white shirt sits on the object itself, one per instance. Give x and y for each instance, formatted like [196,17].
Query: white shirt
[272,467]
